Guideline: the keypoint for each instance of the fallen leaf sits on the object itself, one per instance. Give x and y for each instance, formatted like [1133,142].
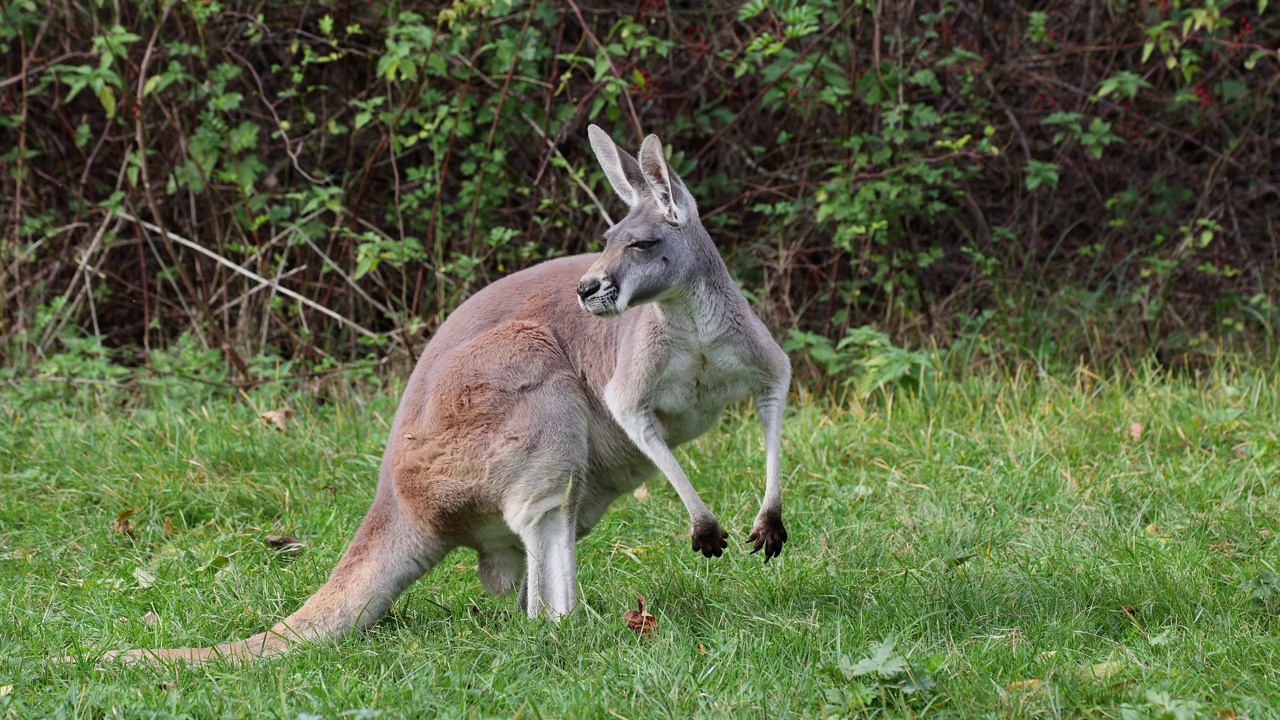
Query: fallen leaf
[145,577]
[1135,431]
[1104,670]
[216,563]
[641,621]
[5,690]
[166,685]
[149,619]
[641,493]
[1029,685]
[278,417]
[123,525]
[285,543]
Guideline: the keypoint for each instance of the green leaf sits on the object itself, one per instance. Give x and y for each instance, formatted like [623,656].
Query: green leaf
[107,97]
[82,134]
[923,115]
[216,563]
[1125,82]
[326,25]
[882,662]
[755,7]
[1060,117]
[243,136]
[1041,173]
[366,264]
[230,101]
[1252,61]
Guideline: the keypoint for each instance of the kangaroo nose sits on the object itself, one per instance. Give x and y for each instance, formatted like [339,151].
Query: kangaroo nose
[587,288]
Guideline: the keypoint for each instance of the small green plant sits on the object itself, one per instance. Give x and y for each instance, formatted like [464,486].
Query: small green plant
[1040,173]
[1094,139]
[883,677]
[1263,589]
[866,361]
[1163,706]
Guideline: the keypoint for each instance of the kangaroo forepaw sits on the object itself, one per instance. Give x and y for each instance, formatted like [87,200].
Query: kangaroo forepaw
[769,534]
[709,538]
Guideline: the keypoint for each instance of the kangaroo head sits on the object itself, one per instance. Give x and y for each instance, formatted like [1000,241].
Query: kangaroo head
[656,250]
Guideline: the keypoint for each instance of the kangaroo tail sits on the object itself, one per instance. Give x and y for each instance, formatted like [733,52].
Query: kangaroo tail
[386,555]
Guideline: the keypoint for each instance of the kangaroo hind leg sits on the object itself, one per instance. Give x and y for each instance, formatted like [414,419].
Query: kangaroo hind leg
[526,414]
[551,579]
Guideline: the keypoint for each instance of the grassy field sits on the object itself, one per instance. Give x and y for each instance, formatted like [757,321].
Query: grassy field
[1011,547]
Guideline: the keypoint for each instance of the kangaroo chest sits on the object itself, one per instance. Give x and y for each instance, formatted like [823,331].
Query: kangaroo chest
[696,385]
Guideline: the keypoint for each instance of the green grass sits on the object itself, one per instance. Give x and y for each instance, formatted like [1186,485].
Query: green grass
[1007,530]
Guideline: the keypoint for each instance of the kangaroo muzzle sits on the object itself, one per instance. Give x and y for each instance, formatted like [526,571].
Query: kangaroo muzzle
[598,296]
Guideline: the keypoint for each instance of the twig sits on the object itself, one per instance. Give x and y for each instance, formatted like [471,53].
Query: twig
[17,382]
[288,144]
[626,92]
[248,273]
[585,188]
[354,285]
[391,127]
[32,71]
[266,306]
[773,189]
[86,291]
[12,271]
[245,295]
[149,195]
[803,54]
[88,253]
[497,115]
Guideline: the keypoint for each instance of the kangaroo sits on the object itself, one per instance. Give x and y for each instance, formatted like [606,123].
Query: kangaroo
[542,399]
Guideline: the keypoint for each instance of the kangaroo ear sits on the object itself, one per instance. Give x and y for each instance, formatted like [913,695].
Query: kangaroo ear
[669,191]
[622,170]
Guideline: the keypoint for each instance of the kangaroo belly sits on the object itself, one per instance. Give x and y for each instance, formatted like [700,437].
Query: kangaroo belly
[695,388]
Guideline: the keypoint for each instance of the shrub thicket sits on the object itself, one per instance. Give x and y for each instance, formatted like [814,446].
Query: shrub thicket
[1045,179]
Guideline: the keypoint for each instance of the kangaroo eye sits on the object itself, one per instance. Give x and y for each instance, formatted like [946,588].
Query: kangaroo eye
[644,244]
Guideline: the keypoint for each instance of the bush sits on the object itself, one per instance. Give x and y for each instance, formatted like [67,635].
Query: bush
[1046,179]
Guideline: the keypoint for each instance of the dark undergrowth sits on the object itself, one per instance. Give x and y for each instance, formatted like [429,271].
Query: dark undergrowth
[318,184]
